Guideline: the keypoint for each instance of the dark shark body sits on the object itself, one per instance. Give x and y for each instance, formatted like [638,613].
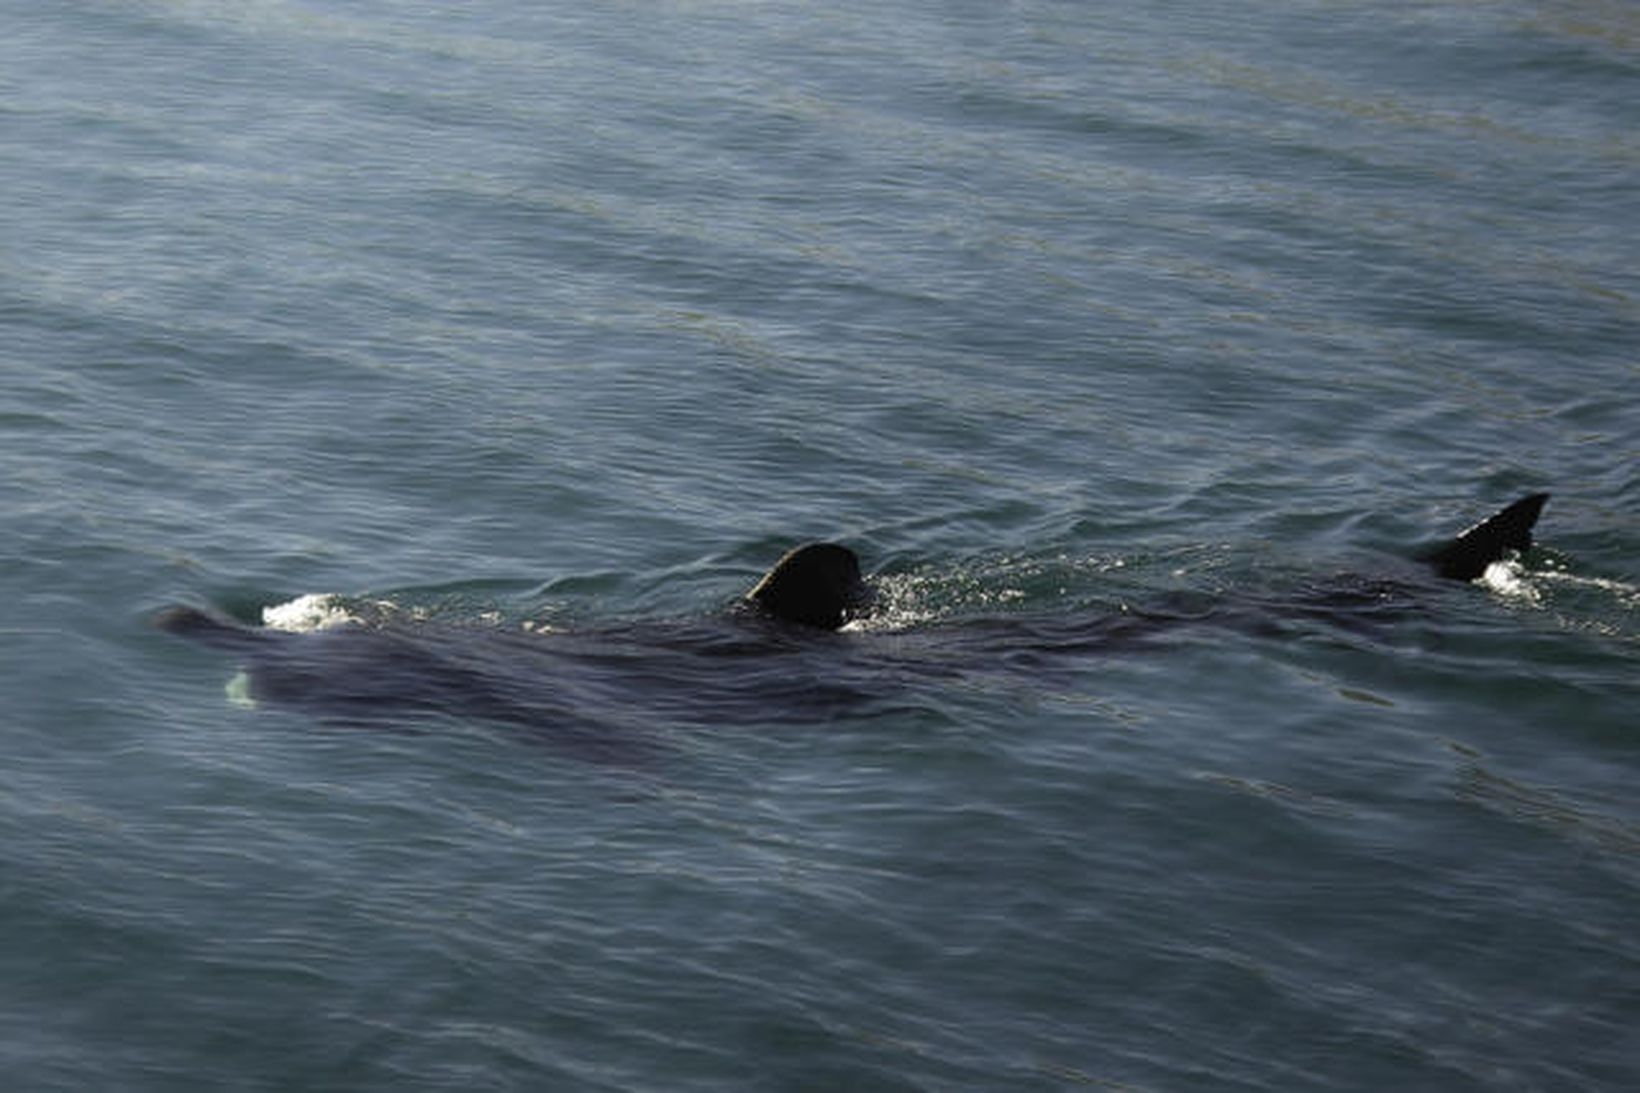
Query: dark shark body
[606,695]
[774,657]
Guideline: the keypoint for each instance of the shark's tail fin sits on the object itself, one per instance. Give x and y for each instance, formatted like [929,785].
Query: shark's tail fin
[817,584]
[1466,557]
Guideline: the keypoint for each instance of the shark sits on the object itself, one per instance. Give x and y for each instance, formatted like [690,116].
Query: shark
[781,650]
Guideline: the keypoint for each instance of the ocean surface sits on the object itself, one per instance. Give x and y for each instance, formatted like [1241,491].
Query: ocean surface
[483,325]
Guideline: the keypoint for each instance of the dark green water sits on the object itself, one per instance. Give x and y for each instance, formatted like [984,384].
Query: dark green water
[569,317]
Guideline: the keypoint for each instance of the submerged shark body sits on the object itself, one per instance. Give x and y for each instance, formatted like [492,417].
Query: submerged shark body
[774,657]
[601,695]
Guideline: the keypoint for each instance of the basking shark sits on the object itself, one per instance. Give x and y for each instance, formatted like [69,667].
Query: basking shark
[773,656]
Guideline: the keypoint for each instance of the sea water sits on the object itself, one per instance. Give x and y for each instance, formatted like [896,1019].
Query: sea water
[549,318]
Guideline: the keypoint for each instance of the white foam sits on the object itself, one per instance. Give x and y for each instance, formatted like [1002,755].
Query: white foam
[313,611]
[1509,579]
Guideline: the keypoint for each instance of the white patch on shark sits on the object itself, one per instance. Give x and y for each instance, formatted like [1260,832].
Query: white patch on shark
[238,691]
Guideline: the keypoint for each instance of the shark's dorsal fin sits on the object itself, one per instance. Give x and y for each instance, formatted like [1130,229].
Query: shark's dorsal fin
[817,584]
[1466,557]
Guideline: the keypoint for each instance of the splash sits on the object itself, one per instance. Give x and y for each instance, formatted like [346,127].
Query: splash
[306,613]
[1510,580]
[1592,604]
[903,603]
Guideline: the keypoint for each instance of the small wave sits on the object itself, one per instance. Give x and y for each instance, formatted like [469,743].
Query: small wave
[909,600]
[1545,808]
[1626,594]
